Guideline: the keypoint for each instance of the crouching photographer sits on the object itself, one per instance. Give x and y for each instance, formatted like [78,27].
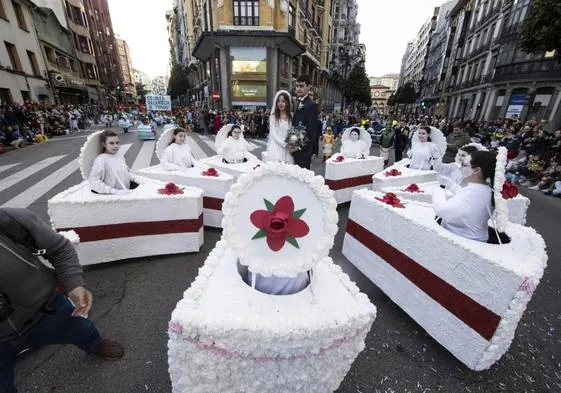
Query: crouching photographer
[33,312]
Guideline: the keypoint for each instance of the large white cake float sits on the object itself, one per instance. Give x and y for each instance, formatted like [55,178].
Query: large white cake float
[215,184]
[422,192]
[344,173]
[142,223]
[399,175]
[468,295]
[233,169]
[226,336]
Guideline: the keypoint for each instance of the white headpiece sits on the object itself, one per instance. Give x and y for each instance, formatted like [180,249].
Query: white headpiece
[222,134]
[436,137]
[363,135]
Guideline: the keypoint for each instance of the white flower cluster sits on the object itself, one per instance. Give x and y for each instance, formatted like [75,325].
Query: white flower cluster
[501,204]
[308,259]
[235,353]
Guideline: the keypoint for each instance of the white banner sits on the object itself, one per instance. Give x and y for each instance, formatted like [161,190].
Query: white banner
[158,103]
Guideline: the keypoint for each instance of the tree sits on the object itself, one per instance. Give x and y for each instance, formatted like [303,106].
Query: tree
[406,94]
[541,31]
[141,91]
[178,82]
[357,88]
[391,99]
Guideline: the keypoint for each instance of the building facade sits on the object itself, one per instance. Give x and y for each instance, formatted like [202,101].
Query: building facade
[105,48]
[127,88]
[23,73]
[239,53]
[57,48]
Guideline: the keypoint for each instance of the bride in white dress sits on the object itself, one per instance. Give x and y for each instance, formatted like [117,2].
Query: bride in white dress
[280,122]
[356,143]
[425,154]
[235,148]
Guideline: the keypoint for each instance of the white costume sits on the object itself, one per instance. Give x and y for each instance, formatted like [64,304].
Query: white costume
[466,213]
[279,285]
[235,150]
[110,174]
[177,157]
[424,156]
[278,130]
[356,149]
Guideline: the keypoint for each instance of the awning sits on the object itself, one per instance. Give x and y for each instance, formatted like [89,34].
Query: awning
[271,39]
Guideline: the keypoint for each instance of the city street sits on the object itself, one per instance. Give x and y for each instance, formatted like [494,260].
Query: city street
[133,301]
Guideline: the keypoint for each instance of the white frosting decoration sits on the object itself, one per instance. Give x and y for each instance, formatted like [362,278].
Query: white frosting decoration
[501,205]
[408,175]
[501,278]
[285,265]
[227,337]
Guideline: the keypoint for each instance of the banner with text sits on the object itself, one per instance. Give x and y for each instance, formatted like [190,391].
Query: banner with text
[158,103]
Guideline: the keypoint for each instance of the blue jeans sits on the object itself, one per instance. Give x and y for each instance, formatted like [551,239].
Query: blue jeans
[58,328]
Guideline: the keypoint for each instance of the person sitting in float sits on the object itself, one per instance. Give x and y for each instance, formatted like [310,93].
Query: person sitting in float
[178,155]
[424,153]
[453,176]
[356,143]
[467,213]
[110,173]
[235,148]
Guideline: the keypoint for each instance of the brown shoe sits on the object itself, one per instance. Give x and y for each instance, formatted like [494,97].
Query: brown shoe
[110,350]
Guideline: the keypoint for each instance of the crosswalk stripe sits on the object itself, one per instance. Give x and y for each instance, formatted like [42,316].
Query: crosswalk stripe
[197,151]
[258,142]
[144,156]
[26,172]
[33,193]
[6,167]
[209,142]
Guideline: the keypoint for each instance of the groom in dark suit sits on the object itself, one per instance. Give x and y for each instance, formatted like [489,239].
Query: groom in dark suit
[306,115]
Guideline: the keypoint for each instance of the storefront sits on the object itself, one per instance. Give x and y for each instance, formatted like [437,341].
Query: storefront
[249,76]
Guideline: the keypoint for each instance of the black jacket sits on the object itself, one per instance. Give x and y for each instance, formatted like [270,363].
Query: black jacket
[26,284]
[306,115]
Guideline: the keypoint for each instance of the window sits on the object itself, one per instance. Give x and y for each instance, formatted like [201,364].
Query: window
[5,97]
[19,15]
[291,17]
[14,58]
[2,12]
[50,54]
[25,95]
[33,62]
[246,12]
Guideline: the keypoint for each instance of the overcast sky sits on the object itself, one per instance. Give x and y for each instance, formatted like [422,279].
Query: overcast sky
[386,26]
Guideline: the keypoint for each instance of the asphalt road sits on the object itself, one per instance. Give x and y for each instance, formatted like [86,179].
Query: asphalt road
[134,300]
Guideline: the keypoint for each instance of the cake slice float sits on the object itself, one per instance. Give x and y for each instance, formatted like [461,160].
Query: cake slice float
[228,335]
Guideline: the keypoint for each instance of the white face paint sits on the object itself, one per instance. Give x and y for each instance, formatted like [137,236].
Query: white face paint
[466,170]
[354,136]
[460,157]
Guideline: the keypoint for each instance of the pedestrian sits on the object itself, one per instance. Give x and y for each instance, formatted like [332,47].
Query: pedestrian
[399,140]
[386,144]
[33,312]
[328,140]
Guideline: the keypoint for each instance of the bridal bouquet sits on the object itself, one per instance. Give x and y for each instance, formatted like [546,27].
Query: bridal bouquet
[297,137]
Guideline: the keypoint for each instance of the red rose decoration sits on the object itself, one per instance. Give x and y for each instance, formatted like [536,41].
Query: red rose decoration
[393,172]
[509,190]
[339,159]
[391,199]
[210,172]
[279,223]
[171,189]
[413,188]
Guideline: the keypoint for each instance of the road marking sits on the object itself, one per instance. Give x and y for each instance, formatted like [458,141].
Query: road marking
[209,142]
[26,172]
[258,142]
[197,151]
[33,193]
[6,167]
[144,157]
[124,149]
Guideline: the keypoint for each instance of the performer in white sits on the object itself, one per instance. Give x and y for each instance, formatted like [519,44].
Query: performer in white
[356,143]
[425,154]
[110,173]
[235,148]
[178,155]
[453,176]
[468,211]
[280,121]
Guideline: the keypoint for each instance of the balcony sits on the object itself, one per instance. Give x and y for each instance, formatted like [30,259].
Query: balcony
[85,57]
[78,29]
[533,70]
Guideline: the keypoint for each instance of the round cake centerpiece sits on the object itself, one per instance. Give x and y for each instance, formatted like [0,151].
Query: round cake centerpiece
[280,219]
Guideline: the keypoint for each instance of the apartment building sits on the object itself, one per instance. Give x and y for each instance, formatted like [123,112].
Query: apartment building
[127,89]
[23,73]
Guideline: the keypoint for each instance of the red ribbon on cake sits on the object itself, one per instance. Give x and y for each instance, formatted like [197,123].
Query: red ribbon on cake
[210,172]
[413,188]
[393,172]
[339,159]
[391,199]
[171,189]
[509,190]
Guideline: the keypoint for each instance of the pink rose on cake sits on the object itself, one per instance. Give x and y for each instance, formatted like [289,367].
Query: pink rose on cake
[393,172]
[413,188]
[210,172]
[279,223]
[391,199]
[171,189]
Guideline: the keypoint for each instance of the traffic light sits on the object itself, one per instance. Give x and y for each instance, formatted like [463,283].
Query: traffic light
[423,105]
